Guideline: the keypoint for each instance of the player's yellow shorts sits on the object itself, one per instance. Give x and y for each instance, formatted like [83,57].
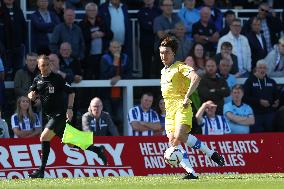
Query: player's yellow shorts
[177,115]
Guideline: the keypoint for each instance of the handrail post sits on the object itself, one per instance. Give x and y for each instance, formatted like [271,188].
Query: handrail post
[127,104]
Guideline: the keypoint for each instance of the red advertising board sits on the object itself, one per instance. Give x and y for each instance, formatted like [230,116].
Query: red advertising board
[133,156]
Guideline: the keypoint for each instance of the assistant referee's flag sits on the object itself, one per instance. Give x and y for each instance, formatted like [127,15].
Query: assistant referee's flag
[76,137]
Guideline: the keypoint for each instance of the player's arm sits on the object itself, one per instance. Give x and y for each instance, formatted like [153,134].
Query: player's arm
[33,93]
[194,82]
[69,113]
[71,96]
[189,72]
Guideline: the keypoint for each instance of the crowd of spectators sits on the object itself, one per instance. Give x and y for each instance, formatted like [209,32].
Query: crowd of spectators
[219,46]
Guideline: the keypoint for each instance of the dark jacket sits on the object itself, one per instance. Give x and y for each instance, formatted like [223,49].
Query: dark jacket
[63,33]
[15,30]
[108,70]
[71,69]
[104,13]
[23,80]
[257,52]
[86,26]
[256,89]
[214,89]
[107,127]
[235,68]
[146,18]
[274,25]
[40,29]
[216,18]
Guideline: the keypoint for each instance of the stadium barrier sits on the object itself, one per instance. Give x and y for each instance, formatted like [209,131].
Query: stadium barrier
[128,90]
[142,156]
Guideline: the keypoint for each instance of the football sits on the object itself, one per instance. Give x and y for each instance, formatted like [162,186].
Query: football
[173,156]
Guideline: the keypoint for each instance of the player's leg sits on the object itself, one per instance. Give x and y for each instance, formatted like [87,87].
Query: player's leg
[184,118]
[45,139]
[171,132]
[181,132]
[195,143]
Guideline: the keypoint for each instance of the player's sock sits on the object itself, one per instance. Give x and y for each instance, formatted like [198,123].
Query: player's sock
[45,147]
[195,143]
[185,162]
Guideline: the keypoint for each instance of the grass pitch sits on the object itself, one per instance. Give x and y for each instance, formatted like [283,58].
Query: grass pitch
[242,181]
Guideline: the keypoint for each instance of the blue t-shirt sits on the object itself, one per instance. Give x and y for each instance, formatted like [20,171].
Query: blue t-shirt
[243,110]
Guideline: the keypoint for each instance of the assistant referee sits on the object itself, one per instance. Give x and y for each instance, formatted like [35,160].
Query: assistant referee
[51,90]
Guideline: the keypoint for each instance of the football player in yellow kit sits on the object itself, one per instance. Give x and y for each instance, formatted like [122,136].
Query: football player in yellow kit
[178,82]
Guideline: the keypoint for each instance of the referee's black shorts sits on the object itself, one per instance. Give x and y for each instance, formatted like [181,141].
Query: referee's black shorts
[57,123]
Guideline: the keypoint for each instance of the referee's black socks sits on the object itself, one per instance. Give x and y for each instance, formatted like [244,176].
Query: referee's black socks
[45,147]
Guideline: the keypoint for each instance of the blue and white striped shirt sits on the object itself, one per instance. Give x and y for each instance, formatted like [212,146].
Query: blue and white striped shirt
[137,114]
[26,125]
[215,126]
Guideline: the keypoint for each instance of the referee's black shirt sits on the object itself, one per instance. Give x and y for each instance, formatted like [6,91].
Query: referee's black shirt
[52,91]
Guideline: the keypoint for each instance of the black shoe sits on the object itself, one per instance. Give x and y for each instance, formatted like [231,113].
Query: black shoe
[189,176]
[37,174]
[218,159]
[101,154]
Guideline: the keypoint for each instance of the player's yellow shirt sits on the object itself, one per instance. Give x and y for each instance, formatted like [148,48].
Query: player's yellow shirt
[175,81]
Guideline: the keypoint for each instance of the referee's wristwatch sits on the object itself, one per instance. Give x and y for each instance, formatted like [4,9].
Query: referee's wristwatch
[70,108]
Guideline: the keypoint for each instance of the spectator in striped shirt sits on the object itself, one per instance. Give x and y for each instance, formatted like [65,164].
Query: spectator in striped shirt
[142,119]
[211,123]
[25,123]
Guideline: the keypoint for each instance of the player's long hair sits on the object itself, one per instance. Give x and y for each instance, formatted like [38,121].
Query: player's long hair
[30,113]
[171,42]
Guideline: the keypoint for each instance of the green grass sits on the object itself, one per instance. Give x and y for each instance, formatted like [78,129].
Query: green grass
[242,181]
